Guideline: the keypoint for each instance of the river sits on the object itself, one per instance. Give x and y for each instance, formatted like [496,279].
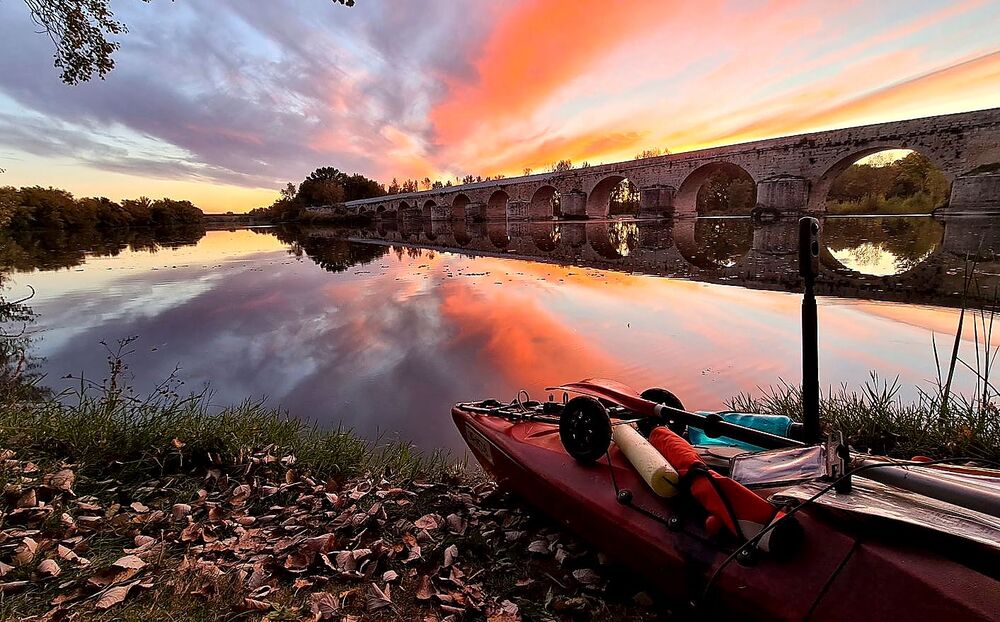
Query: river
[381,329]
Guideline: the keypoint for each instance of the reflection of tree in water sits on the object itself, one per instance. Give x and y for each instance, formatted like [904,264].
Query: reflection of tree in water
[19,370]
[882,246]
[331,254]
[54,249]
[546,239]
[623,237]
[723,241]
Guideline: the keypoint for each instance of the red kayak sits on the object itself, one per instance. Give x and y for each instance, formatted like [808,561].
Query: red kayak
[745,516]
[845,567]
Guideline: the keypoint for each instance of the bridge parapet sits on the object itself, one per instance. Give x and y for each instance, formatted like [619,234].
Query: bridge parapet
[792,173]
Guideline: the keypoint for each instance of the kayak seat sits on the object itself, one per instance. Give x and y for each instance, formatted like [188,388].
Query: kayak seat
[773,424]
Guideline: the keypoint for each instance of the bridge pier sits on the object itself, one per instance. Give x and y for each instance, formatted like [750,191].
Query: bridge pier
[656,200]
[475,212]
[971,237]
[776,238]
[440,212]
[787,194]
[573,204]
[975,194]
[518,210]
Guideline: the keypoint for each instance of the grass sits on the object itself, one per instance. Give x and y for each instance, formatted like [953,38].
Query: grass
[106,427]
[876,419]
[919,203]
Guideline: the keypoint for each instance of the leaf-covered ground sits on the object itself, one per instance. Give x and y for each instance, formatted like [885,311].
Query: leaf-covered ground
[258,539]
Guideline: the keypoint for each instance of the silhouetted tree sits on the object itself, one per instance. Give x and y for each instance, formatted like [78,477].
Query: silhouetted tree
[561,166]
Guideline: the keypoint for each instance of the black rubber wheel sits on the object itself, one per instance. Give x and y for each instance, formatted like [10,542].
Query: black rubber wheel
[585,429]
[661,396]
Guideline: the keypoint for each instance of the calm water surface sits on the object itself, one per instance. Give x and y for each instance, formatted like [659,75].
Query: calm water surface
[382,329]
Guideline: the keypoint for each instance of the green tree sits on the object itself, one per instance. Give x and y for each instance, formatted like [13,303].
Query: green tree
[9,199]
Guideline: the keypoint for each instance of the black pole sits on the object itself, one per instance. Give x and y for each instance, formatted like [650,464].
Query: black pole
[808,265]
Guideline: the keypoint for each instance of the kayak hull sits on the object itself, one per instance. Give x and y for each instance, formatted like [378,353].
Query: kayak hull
[836,573]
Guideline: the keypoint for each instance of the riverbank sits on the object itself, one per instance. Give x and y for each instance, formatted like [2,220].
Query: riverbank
[125,507]
[120,507]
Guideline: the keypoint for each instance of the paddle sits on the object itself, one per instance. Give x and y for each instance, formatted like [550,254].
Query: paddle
[713,425]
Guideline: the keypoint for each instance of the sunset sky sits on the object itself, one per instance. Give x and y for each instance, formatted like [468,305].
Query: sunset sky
[223,102]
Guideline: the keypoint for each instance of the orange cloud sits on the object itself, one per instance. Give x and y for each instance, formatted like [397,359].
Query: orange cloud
[537,48]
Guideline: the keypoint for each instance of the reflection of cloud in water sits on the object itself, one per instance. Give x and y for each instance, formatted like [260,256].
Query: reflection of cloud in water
[876,260]
[390,345]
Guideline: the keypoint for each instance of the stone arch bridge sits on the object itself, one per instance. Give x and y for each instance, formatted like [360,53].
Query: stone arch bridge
[792,174]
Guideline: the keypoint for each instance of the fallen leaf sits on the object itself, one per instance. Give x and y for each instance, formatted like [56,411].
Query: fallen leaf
[425,590]
[28,499]
[24,553]
[48,568]
[323,605]
[377,599]
[129,562]
[180,510]
[456,524]
[539,547]
[60,480]
[450,554]
[505,611]
[256,605]
[587,577]
[139,507]
[114,595]
[430,522]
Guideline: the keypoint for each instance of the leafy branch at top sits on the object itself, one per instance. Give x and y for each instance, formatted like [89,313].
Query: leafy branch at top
[83,33]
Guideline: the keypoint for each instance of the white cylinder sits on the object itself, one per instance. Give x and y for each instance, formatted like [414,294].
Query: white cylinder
[648,462]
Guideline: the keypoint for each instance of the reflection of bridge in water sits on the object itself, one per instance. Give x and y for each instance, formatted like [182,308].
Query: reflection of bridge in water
[906,259]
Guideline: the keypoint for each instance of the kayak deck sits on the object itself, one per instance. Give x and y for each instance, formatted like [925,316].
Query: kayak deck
[666,540]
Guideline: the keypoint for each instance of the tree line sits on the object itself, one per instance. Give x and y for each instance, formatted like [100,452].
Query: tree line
[35,207]
[911,184]
[325,187]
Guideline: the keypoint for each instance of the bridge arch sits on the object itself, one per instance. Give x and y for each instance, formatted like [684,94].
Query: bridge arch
[458,205]
[406,210]
[428,209]
[686,200]
[496,207]
[820,190]
[599,201]
[544,204]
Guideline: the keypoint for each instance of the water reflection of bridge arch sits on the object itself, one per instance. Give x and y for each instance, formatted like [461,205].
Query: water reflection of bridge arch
[497,234]
[912,245]
[732,237]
